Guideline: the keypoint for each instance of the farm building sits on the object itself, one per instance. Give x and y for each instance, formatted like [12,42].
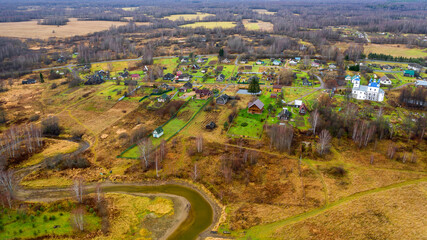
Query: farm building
[135,77]
[277,88]
[223,99]
[163,98]
[409,73]
[277,62]
[421,83]
[211,125]
[168,76]
[284,115]
[158,132]
[29,81]
[203,93]
[256,107]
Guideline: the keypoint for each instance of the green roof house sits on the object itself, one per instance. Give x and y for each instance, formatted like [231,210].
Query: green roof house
[158,132]
[409,73]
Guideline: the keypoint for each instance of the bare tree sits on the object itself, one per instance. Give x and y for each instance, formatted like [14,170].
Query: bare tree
[78,189]
[199,143]
[99,193]
[391,151]
[195,174]
[145,147]
[324,141]
[162,150]
[78,218]
[8,184]
[314,120]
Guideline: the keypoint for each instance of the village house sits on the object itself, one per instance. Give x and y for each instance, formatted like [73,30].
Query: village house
[303,109]
[332,67]
[203,93]
[243,61]
[255,107]
[135,77]
[186,86]
[184,77]
[409,73]
[372,92]
[168,76]
[385,80]
[220,78]
[277,62]
[277,88]
[415,66]
[273,95]
[158,132]
[163,98]
[185,60]
[315,64]
[259,62]
[307,83]
[348,78]
[223,99]
[421,83]
[226,60]
[293,62]
[284,115]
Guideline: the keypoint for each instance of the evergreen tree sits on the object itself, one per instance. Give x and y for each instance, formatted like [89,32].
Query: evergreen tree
[254,85]
[41,78]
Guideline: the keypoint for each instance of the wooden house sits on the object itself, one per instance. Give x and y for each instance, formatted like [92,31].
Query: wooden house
[135,77]
[284,115]
[256,107]
[303,109]
[223,99]
[203,93]
[277,88]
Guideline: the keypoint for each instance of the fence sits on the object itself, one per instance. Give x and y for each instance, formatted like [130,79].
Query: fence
[179,130]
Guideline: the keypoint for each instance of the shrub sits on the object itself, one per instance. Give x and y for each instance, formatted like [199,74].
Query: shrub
[244,124]
[34,117]
[337,171]
[45,219]
[53,86]
[77,134]
[50,126]
[52,218]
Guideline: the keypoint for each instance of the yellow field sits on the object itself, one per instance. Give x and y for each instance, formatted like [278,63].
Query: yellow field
[259,25]
[188,17]
[211,25]
[54,147]
[30,29]
[390,49]
[263,11]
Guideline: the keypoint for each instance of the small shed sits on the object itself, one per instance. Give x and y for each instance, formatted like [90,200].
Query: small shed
[211,125]
[303,109]
[158,132]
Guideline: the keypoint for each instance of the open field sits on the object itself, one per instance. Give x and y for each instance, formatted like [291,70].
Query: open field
[20,225]
[188,17]
[395,50]
[30,29]
[263,11]
[210,25]
[259,25]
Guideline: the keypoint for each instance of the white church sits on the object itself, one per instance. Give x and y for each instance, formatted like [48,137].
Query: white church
[372,92]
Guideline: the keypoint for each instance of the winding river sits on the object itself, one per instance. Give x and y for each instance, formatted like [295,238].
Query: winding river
[201,216]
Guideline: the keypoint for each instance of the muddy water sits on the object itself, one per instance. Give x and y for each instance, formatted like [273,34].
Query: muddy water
[199,217]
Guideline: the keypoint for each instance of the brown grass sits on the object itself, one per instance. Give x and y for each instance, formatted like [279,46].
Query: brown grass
[30,29]
[394,214]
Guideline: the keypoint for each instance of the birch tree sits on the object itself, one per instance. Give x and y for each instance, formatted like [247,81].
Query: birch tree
[314,120]
[78,219]
[324,142]
[145,147]
[199,143]
[78,189]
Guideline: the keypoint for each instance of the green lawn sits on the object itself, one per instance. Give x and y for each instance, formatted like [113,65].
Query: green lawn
[184,115]
[16,226]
